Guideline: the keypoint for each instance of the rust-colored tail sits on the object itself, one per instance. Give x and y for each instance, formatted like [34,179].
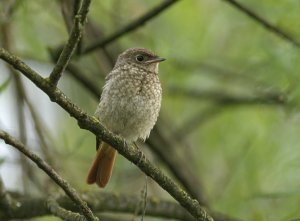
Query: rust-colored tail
[101,169]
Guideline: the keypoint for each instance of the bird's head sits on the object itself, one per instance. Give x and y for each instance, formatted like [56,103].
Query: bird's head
[140,57]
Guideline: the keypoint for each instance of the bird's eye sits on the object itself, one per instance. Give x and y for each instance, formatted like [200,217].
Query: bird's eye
[139,58]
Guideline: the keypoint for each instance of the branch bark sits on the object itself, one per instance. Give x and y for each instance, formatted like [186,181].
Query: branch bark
[92,124]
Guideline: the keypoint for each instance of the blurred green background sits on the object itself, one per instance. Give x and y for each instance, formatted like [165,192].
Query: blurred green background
[230,98]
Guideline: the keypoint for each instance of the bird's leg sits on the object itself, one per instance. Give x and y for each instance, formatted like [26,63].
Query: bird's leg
[124,142]
[142,155]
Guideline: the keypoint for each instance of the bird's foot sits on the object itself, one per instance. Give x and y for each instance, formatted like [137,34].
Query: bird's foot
[142,156]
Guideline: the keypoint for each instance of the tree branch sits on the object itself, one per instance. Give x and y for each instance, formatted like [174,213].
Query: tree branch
[68,50]
[131,26]
[51,173]
[100,202]
[92,124]
[262,21]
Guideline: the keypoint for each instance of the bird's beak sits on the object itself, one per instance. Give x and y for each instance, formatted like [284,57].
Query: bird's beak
[155,60]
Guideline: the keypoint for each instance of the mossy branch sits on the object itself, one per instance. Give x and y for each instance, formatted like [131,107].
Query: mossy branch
[92,124]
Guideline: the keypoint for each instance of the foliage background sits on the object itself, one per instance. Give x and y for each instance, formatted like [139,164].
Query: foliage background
[246,155]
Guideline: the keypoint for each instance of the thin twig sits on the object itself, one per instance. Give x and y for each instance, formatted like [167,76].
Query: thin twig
[92,124]
[131,26]
[51,173]
[68,50]
[268,25]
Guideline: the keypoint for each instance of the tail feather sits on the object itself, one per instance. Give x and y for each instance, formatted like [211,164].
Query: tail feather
[101,169]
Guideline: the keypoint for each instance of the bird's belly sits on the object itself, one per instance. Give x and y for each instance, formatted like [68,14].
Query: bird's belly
[131,117]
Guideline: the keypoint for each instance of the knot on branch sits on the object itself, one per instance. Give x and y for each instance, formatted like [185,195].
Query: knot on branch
[56,210]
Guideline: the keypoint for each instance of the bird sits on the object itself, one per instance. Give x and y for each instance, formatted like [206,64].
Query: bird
[129,106]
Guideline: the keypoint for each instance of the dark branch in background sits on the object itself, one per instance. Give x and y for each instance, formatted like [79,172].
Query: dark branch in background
[131,26]
[51,173]
[99,201]
[92,124]
[196,120]
[202,68]
[90,85]
[68,50]
[226,99]
[220,100]
[186,177]
[276,30]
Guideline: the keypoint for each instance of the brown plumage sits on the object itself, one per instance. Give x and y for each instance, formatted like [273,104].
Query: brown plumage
[101,169]
[129,106]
